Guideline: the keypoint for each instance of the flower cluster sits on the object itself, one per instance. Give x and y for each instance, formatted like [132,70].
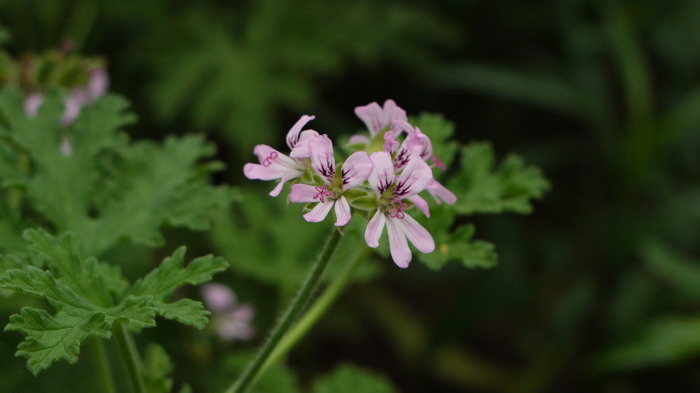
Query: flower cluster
[383,178]
[232,320]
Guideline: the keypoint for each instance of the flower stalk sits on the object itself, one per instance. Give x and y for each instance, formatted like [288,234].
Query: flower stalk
[130,357]
[252,371]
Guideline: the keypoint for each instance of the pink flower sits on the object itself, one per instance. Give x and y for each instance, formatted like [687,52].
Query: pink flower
[275,165]
[32,104]
[353,172]
[232,320]
[378,119]
[391,189]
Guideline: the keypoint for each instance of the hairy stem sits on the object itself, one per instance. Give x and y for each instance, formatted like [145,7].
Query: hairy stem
[315,312]
[130,357]
[102,365]
[250,374]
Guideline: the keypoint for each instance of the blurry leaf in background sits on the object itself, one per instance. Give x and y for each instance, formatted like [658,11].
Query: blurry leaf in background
[267,239]
[481,188]
[352,379]
[233,77]
[157,368]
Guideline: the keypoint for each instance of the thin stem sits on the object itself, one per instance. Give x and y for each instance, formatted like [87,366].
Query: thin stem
[102,365]
[130,357]
[249,375]
[315,312]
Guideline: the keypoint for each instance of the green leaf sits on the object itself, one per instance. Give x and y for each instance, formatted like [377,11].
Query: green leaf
[351,379]
[87,297]
[455,244]
[157,368]
[481,188]
[49,339]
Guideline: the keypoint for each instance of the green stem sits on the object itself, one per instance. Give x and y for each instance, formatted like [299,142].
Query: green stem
[249,375]
[130,357]
[315,312]
[102,365]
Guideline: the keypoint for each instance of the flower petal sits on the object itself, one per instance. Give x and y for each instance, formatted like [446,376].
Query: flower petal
[342,212]
[373,117]
[420,203]
[440,193]
[303,193]
[319,212]
[356,169]
[416,234]
[393,112]
[413,179]
[322,158]
[260,172]
[398,245]
[301,149]
[276,191]
[382,175]
[374,229]
[274,157]
[293,134]
[390,142]
[98,84]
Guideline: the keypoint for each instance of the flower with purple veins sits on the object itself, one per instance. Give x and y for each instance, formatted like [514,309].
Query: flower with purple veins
[353,172]
[275,165]
[232,320]
[391,189]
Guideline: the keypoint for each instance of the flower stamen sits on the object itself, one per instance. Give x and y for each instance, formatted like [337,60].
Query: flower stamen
[268,161]
[399,207]
[322,193]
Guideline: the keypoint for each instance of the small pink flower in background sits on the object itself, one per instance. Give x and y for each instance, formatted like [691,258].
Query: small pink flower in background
[391,213]
[377,118]
[231,320]
[32,104]
[354,171]
[275,165]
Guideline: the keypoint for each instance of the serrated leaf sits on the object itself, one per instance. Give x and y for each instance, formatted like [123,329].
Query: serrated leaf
[79,289]
[49,339]
[481,188]
[352,379]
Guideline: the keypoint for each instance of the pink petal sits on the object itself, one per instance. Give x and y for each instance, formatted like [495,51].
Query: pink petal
[303,193]
[374,229]
[260,172]
[301,149]
[274,157]
[358,140]
[244,312]
[382,174]
[276,191]
[73,105]
[230,328]
[413,179]
[293,134]
[440,193]
[218,297]
[342,212]
[420,203]
[416,234]
[393,112]
[356,169]
[322,158]
[398,245]
[32,104]
[319,212]
[419,143]
[390,142]
[373,117]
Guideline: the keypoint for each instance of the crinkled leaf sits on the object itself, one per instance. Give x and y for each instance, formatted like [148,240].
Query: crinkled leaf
[352,379]
[481,188]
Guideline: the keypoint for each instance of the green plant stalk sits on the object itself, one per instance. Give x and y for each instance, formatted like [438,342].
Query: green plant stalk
[251,373]
[102,365]
[314,313]
[130,357]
